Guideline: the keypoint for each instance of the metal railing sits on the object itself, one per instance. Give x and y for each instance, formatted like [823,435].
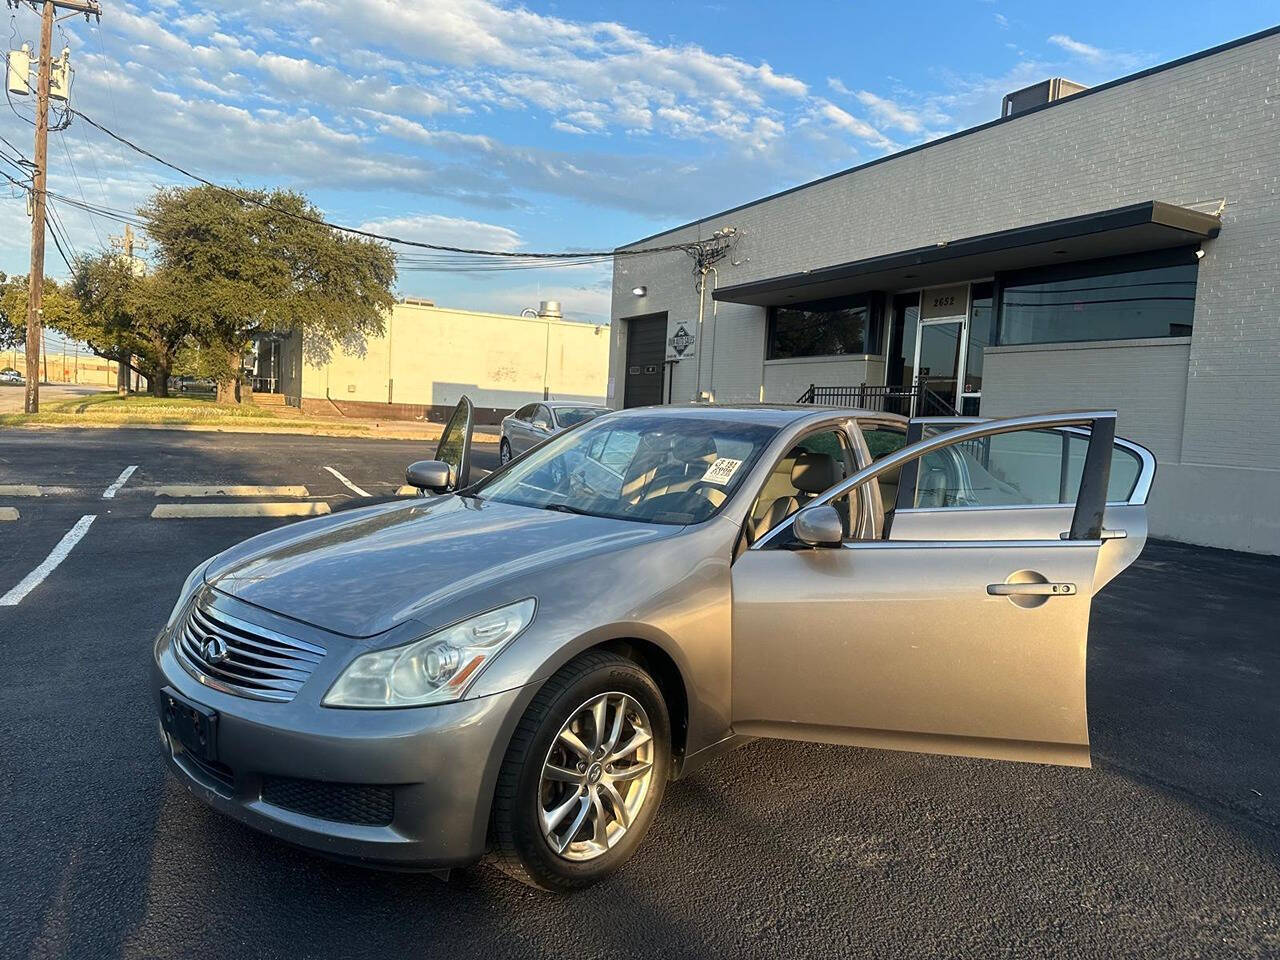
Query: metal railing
[908,400]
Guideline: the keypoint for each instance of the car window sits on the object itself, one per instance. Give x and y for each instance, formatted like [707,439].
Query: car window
[654,468]
[1024,468]
[525,413]
[815,463]
[572,416]
[882,440]
[541,418]
[453,438]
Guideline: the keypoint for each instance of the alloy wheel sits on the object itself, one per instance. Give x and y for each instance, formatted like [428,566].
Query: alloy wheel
[596,776]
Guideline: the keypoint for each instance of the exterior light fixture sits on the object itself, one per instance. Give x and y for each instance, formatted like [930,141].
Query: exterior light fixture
[639,291]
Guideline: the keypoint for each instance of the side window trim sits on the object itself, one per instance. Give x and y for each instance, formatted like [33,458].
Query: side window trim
[1089,493]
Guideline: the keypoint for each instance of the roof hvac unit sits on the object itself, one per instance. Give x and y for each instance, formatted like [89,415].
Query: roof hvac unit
[1038,94]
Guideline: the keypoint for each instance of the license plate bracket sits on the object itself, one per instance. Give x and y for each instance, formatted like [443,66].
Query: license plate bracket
[194,726]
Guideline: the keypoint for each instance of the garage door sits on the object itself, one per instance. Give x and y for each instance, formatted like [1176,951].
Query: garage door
[646,351]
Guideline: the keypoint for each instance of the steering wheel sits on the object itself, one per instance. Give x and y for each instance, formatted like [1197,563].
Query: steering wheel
[712,492]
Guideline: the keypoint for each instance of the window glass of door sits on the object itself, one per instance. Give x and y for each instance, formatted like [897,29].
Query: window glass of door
[981,335]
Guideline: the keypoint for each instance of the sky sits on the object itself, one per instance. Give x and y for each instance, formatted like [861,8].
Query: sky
[547,126]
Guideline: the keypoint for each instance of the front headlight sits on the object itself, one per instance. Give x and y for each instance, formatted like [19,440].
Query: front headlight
[436,669]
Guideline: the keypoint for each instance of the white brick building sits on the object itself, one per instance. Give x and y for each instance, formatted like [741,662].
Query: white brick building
[1118,248]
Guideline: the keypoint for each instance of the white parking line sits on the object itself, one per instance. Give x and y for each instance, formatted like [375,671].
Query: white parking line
[59,553]
[19,490]
[175,511]
[9,513]
[348,484]
[228,490]
[110,492]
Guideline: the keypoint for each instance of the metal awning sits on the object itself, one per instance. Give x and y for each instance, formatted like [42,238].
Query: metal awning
[1151,225]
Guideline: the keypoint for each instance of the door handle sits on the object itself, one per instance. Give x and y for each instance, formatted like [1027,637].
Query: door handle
[1031,589]
[1104,535]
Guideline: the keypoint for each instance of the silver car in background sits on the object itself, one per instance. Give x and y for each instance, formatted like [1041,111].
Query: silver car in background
[520,665]
[535,422]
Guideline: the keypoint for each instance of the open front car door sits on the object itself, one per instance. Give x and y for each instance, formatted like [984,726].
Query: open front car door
[954,619]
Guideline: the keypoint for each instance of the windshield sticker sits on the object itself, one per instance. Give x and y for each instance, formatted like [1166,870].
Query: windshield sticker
[722,471]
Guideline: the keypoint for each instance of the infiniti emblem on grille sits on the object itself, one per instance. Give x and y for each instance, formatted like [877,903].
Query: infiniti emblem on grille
[214,650]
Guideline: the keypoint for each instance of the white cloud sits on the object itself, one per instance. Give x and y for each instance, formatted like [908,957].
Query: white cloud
[1087,51]
[1002,21]
[843,120]
[446,231]
[1097,56]
[891,114]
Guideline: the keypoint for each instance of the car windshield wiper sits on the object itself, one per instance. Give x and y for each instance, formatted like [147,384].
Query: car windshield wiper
[567,508]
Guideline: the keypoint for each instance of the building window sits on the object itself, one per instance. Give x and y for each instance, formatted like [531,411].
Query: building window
[1148,295]
[826,328]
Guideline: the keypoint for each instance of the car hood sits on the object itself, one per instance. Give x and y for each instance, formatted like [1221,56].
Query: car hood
[364,572]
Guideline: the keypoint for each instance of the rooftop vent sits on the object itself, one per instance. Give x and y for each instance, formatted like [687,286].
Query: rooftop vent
[550,310]
[1038,94]
[418,302]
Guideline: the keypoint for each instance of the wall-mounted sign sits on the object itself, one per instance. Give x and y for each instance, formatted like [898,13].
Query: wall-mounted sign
[945,303]
[681,343]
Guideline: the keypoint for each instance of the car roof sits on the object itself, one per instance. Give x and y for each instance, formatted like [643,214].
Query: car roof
[771,414]
[557,404]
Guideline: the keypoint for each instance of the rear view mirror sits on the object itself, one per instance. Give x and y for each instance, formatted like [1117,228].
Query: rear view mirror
[819,526]
[434,475]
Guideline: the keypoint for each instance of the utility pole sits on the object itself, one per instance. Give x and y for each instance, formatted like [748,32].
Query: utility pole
[35,290]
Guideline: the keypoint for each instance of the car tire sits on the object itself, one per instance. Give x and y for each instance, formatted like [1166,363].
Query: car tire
[524,791]
[504,451]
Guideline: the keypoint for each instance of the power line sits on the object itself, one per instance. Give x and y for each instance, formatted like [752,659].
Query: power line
[689,248]
[72,164]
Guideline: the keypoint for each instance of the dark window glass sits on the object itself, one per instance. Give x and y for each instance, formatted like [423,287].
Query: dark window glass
[981,335]
[826,328]
[900,363]
[1150,295]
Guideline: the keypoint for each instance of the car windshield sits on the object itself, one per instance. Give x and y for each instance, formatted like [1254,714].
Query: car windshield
[572,416]
[653,468]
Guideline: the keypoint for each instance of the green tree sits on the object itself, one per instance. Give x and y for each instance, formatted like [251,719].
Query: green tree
[238,265]
[128,316]
[59,309]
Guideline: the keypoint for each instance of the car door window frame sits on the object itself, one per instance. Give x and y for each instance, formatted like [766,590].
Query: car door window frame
[1086,522]
[542,410]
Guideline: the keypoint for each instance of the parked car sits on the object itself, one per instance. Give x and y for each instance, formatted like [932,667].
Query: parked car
[10,375]
[520,665]
[535,422]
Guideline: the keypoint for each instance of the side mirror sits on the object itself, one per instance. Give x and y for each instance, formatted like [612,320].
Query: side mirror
[434,475]
[819,526]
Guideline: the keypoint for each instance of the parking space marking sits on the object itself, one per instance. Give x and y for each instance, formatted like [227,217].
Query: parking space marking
[110,492]
[19,490]
[176,511]
[9,513]
[348,484]
[56,556]
[228,490]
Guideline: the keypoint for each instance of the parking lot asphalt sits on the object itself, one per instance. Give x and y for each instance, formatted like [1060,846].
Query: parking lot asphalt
[1168,847]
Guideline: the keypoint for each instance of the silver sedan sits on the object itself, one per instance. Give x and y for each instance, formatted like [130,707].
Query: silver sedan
[520,665]
[535,422]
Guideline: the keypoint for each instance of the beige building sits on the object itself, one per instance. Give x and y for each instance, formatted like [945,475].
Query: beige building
[429,356]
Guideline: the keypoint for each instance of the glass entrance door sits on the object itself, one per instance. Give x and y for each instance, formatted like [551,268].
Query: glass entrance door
[938,347]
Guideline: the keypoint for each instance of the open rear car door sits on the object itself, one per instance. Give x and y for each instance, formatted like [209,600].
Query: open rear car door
[958,624]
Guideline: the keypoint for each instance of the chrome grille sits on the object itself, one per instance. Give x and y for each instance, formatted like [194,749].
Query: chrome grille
[258,662]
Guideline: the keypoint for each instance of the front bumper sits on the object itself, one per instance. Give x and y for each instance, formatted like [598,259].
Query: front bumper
[437,765]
